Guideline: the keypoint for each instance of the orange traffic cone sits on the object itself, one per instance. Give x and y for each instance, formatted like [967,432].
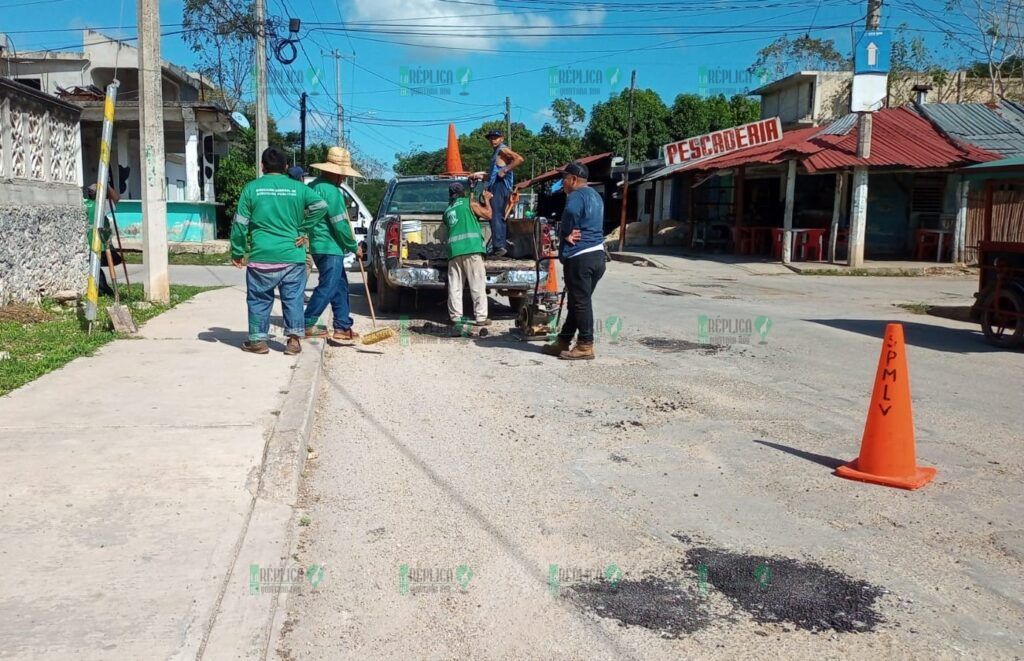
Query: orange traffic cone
[887,453]
[551,286]
[453,158]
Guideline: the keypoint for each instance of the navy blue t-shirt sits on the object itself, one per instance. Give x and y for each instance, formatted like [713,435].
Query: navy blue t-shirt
[584,210]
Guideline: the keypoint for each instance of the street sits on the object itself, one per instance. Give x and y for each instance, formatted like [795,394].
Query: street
[472,498]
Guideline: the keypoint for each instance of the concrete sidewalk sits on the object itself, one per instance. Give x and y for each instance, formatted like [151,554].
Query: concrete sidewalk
[140,485]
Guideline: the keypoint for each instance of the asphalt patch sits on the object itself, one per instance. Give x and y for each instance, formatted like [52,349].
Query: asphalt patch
[777,589]
[654,603]
[670,345]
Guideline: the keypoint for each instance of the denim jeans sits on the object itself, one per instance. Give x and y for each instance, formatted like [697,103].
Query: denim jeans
[331,288]
[499,230]
[260,285]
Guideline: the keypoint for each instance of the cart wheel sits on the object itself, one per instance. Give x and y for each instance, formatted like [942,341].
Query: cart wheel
[1002,319]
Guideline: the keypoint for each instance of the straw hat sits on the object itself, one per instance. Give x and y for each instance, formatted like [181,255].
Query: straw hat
[339,161]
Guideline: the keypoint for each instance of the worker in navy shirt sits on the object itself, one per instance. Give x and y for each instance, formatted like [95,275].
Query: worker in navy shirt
[581,251]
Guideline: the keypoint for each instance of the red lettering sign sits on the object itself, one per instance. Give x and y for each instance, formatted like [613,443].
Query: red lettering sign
[723,142]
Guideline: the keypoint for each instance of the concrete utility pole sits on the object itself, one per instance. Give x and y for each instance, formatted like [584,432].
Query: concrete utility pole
[302,129]
[859,215]
[151,141]
[262,141]
[508,122]
[625,171]
[337,95]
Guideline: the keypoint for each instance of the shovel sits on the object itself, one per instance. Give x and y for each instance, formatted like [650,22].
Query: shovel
[120,316]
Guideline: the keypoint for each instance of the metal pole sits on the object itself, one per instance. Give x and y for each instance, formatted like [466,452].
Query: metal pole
[337,92]
[151,141]
[96,245]
[508,122]
[625,171]
[302,129]
[262,142]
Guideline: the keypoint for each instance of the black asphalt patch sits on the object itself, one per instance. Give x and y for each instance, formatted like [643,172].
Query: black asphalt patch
[653,603]
[670,345]
[777,589]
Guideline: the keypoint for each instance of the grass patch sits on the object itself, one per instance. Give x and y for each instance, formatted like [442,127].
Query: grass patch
[187,258]
[915,308]
[37,340]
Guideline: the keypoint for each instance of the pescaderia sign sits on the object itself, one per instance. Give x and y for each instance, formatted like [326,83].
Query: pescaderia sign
[722,142]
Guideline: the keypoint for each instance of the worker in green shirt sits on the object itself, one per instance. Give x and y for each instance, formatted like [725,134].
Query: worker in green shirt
[466,253]
[328,241]
[272,223]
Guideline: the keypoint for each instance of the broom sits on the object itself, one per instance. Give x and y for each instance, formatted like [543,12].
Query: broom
[378,335]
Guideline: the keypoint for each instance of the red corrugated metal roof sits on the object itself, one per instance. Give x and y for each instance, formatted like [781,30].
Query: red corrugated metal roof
[899,138]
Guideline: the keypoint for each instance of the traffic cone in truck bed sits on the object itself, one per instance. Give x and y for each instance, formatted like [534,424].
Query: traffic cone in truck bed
[887,454]
[453,159]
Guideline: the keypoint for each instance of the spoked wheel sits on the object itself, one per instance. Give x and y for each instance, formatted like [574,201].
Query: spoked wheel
[1002,320]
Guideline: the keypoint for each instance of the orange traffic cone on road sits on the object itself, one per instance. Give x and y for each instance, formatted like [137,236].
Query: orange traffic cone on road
[551,286]
[453,157]
[887,454]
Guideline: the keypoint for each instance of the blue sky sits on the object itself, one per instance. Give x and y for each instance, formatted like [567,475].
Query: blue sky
[477,52]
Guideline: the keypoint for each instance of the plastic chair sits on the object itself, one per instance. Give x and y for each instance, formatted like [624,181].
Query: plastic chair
[741,242]
[925,242]
[777,234]
[811,246]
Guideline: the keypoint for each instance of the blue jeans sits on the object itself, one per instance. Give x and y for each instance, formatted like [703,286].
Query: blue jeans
[499,230]
[332,288]
[260,285]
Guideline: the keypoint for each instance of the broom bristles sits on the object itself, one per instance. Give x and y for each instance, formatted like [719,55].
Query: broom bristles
[378,335]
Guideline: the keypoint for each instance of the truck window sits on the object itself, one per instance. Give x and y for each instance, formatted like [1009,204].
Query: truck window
[420,196]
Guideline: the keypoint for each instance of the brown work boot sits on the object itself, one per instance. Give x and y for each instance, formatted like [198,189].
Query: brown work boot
[293,347]
[255,347]
[347,335]
[555,348]
[315,331]
[582,351]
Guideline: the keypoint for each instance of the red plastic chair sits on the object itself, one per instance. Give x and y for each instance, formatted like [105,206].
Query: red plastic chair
[777,234]
[741,242]
[812,246]
[925,243]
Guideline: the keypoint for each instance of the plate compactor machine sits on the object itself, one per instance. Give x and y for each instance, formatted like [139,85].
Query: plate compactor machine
[540,318]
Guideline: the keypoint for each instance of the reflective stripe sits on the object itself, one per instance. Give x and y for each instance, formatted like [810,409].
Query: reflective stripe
[339,218]
[316,206]
[240,219]
[461,237]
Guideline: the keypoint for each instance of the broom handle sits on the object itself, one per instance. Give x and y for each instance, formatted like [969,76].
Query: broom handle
[120,248]
[366,287]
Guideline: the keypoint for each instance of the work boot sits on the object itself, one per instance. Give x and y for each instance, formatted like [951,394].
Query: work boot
[344,335]
[582,351]
[555,348]
[255,347]
[293,347]
[315,331]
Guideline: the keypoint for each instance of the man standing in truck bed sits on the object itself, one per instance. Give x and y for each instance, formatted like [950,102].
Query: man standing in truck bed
[499,184]
[465,253]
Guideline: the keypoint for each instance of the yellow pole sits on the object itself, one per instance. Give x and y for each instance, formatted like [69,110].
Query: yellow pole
[96,245]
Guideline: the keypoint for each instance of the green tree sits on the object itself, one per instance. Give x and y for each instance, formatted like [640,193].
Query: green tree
[688,117]
[785,56]
[609,120]
[221,33]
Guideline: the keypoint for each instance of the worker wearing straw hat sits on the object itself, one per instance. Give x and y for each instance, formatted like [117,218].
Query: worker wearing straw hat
[328,242]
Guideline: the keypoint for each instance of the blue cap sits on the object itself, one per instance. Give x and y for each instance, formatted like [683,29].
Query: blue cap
[296,172]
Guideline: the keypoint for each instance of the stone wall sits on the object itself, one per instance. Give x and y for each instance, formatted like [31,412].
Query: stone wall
[43,250]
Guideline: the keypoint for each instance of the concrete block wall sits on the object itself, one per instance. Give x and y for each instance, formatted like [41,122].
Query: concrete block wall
[43,251]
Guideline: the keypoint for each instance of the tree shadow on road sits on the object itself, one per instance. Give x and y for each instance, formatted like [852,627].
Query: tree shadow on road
[927,336]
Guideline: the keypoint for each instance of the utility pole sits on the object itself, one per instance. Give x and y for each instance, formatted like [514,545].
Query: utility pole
[151,141]
[337,95]
[625,171]
[302,129]
[859,212]
[508,122]
[261,81]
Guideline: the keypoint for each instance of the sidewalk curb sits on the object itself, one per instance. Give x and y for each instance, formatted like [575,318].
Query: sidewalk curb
[246,625]
[633,258]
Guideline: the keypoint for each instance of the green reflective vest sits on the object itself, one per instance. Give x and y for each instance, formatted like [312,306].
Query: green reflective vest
[464,234]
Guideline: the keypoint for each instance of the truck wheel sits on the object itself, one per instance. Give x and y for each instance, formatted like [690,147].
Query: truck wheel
[388,297]
[517,303]
[1002,319]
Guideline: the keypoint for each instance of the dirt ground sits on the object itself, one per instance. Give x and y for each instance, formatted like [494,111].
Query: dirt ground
[472,498]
